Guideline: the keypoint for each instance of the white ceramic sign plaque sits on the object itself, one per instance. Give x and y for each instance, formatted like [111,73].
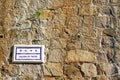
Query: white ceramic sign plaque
[28,53]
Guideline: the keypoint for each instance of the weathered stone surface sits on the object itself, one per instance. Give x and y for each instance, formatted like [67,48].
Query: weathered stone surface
[70,10]
[109,32]
[88,10]
[117,57]
[116,77]
[45,14]
[90,44]
[49,78]
[73,21]
[102,21]
[27,77]
[115,1]
[81,38]
[80,56]
[88,27]
[72,72]
[89,69]
[69,2]
[108,68]
[2,56]
[107,41]
[85,1]
[55,55]
[54,4]
[13,33]
[63,42]
[74,44]
[29,71]
[55,44]
[102,78]
[54,69]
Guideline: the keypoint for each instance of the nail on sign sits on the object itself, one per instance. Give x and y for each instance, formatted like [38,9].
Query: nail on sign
[28,53]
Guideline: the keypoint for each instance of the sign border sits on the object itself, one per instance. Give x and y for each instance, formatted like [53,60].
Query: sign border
[28,61]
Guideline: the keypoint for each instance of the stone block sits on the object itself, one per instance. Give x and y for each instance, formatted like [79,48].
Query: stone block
[90,44]
[63,42]
[45,14]
[116,77]
[88,10]
[88,27]
[102,2]
[75,44]
[24,25]
[72,72]
[100,77]
[55,44]
[115,1]
[80,56]
[13,33]
[24,34]
[70,10]
[102,21]
[69,3]
[53,69]
[72,22]
[30,69]
[27,77]
[55,55]
[55,4]
[89,69]
[109,32]
[107,68]
[107,42]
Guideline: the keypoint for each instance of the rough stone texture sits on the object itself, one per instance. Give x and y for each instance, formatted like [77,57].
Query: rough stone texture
[72,72]
[80,56]
[55,56]
[102,78]
[88,10]
[89,69]
[81,38]
[54,69]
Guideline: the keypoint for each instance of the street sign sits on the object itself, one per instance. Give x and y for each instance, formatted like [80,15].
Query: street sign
[28,54]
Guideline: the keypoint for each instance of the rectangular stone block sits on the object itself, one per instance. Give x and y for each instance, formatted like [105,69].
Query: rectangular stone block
[88,10]
[100,77]
[55,55]
[53,69]
[115,1]
[80,56]
[69,3]
[71,10]
[55,4]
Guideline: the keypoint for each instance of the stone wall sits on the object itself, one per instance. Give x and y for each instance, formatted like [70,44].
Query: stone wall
[81,38]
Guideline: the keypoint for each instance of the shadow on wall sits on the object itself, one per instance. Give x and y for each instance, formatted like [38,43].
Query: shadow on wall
[11,55]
